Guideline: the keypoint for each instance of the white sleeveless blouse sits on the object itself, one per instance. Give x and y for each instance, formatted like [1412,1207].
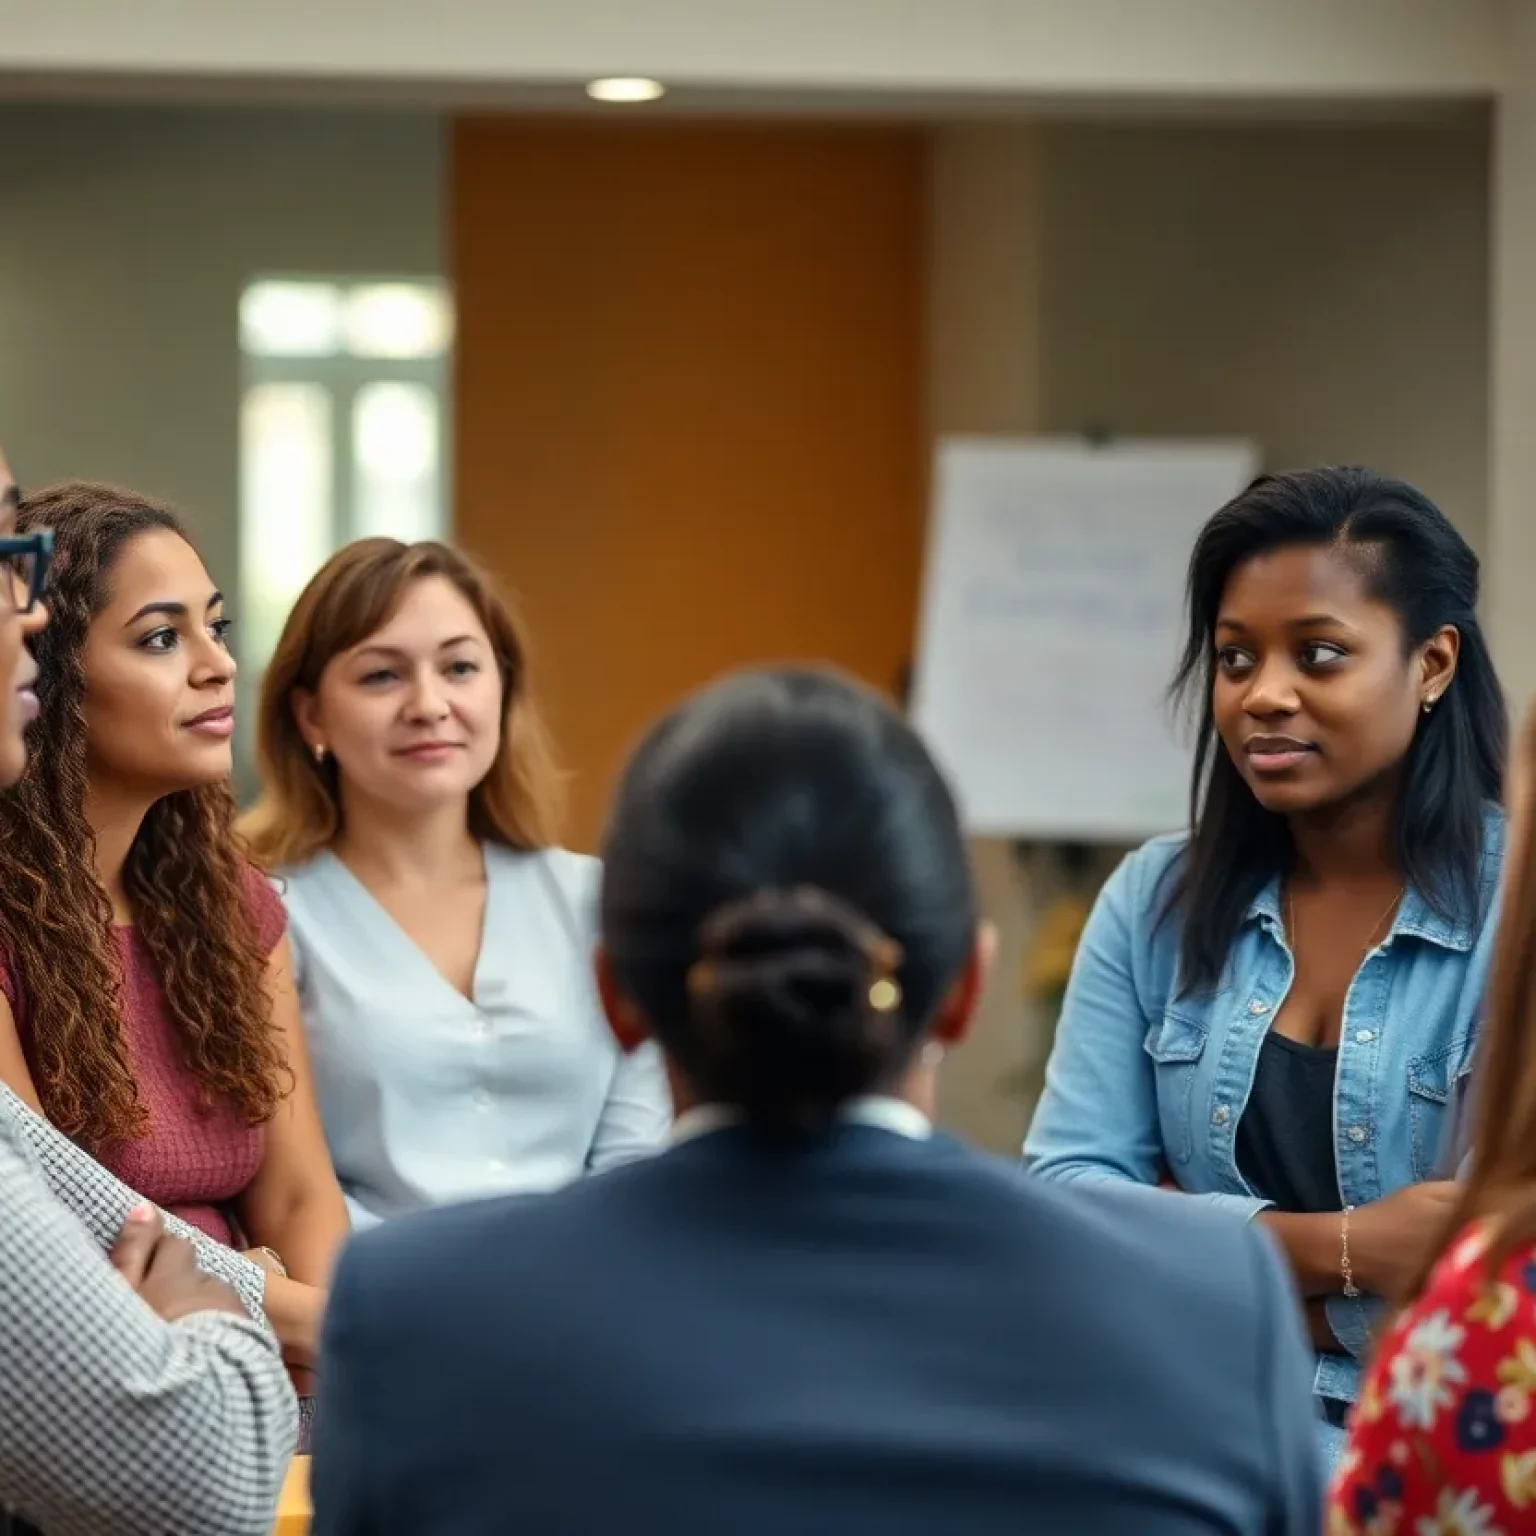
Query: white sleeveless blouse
[429,1096]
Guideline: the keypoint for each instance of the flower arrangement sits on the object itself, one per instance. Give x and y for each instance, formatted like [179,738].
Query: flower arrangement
[1049,956]
[1073,872]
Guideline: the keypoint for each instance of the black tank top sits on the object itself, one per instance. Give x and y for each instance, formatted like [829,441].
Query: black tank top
[1285,1138]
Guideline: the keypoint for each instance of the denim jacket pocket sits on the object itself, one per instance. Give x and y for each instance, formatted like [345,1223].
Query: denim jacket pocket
[1176,1045]
[1431,1079]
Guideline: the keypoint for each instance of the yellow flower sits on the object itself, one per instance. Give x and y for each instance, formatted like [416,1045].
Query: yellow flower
[1339,1522]
[1519,1370]
[1517,1477]
[1368,1404]
[1495,1304]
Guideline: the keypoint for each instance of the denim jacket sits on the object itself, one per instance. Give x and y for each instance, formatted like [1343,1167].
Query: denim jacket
[1142,1078]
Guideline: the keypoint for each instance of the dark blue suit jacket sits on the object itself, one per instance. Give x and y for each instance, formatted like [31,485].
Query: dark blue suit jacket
[876,1335]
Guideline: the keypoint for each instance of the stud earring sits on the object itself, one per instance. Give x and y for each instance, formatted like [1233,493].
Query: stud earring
[320,752]
[1429,704]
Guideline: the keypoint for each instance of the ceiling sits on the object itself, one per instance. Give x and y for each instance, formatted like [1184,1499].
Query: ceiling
[871,58]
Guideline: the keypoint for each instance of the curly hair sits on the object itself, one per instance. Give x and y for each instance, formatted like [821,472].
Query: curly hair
[186,877]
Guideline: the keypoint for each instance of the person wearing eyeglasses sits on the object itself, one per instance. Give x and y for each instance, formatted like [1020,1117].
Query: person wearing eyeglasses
[138,1395]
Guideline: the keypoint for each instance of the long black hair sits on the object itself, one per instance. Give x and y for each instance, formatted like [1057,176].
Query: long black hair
[786,894]
[1414,561]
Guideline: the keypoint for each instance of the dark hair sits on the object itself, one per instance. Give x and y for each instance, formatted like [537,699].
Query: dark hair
[185,875]
[779,845]
[1413,560]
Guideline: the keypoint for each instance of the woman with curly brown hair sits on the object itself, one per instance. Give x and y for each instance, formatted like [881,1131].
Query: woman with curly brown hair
[147,1006]
[137,1393]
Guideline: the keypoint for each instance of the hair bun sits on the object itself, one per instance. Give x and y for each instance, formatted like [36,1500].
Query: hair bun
[778,922]
[798,995]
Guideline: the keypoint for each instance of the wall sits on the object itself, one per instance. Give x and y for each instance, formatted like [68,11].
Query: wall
[1512,528]
[689,395]
[985,313]
[125,239]
[1322,289]
[1230,49]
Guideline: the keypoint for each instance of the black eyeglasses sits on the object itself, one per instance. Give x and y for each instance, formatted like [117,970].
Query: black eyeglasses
[24,558]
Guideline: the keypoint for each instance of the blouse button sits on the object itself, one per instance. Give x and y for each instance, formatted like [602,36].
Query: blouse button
[482,1100]
[1357,1134]
[1220,1115]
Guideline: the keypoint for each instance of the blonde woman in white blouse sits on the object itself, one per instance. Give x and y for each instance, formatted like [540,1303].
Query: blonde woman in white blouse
[443,946]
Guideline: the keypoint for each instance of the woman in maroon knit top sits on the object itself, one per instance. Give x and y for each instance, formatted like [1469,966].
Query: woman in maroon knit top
[146,1002]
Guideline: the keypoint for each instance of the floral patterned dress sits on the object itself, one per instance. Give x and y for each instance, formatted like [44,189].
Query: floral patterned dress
[1443,1438]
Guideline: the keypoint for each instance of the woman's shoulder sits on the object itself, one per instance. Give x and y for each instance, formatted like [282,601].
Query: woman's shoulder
[554,889]
[1141,881]
[1478,1321]
[1472,926]
[265,907]
[1495,841]
[1158,855]
[301,874]
[1462,1273]
[310,889]
[1453,1389]
[576,877]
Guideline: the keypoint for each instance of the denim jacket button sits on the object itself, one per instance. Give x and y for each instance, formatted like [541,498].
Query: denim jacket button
[1220,1115]
[1357,1134]
[1365,1036]
[1258,1006]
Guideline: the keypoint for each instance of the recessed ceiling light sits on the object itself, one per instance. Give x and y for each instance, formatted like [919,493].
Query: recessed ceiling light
[626,88]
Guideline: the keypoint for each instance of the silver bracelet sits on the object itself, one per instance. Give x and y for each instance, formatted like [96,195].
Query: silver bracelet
[1346,1269]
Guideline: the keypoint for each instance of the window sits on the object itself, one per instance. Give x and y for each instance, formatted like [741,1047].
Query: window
[343,422]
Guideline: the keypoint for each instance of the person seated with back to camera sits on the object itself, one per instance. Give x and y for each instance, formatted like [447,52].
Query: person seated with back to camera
[812,1313]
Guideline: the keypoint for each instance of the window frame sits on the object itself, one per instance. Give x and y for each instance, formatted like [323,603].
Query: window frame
[343,375]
